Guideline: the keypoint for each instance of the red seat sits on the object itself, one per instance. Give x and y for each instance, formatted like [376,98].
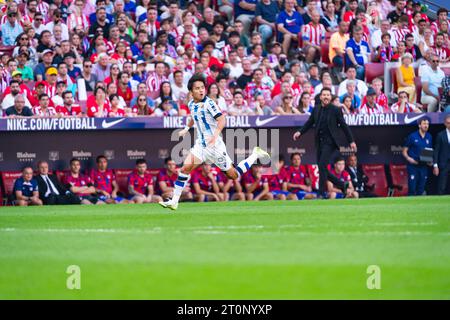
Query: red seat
[313,173]
[8,178]
[377,178]
[418,84]
[399,177]
[60,174]
[122,179]
[373,70]
[325,50]
[393,75]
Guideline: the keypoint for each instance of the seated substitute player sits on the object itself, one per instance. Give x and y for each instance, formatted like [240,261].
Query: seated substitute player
[209,147]
[166,181]
[339,172]
[231,189]
[298,181]
[256,186]
[81,185]
[105,183]
[26,189]
[205,186]
[278,183]
[140,184]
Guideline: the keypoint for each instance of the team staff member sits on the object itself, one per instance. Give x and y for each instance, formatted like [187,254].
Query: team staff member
[417,171]
[26,189]
[441,157]
[327,120]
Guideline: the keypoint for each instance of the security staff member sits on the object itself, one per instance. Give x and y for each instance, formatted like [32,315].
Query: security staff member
[417,170]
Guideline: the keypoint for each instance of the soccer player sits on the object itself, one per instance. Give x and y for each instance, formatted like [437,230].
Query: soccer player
[205,186]
[166,181]
[80,184]
[231,189]
[339,172]
[140,184]
[26,189]
[105,183]
[256,186]
[296,177]
[209,146]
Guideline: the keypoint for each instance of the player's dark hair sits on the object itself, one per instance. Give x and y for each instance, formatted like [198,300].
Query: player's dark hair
[339,158]
[166,160]
[325,89]
[296,154]
[27,167]
[43,95]
[65,93]
[419,122]
[73,160]
[440,10]
[196,78]
[14,81]
[140,161]
[112,96]
[100,157]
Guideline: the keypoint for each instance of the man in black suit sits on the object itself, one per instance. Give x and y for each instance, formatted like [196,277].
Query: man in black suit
[326,118]
[51,191]
[359,179]
[441,156]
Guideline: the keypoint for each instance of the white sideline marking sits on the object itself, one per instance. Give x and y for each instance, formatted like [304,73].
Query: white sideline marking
[209,230]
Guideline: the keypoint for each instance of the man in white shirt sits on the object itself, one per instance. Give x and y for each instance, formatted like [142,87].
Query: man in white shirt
[8,100]
[431,82]
[361,87]
[385,27]
[57,20]
[234,65]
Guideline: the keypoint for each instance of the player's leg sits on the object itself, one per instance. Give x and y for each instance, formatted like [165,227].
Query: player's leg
[238,196]
[192,161]
[86,202]
[267,196]
[249,196]
[138,199]
[154,199]
[199,198]
[332,195]
[246,164]
[21,203]
[279,196]
[291,196]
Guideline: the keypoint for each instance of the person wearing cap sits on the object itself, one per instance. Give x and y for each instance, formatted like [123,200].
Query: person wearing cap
[39,70]
[51,76]
[11,29]
[12,92]
[371,106]
[26,71]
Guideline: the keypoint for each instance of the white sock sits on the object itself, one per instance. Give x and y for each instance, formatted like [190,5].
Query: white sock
[179,186]
[246,164]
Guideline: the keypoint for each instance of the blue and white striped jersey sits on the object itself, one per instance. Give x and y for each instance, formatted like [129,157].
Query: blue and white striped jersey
[204,114]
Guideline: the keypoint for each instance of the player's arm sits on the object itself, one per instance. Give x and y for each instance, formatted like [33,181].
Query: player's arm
[150,191]
[263,192]
[115,188]
[199,190]
[226,186]
[221,122]
[299,186]
[331,188]
[20,196]
[237,185]
[252,186]
[133,192]
[163,186]
[189,125]
[215,185]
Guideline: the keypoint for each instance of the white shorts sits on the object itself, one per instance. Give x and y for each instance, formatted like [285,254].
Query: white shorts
[216,154]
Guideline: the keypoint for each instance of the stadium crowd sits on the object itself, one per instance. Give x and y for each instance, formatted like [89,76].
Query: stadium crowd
[119,58]
[100,185]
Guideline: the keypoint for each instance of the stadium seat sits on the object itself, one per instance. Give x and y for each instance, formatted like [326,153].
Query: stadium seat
[313,173]
[122,179]
[60,174]
[393,75]
[418,84]
[399,180]
[8,179]
[374,70]
[325,47]
[377,178]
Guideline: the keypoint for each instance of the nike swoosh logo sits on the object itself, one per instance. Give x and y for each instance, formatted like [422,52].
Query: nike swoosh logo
[263,122]
[106,125]
[409,120]
[290,21]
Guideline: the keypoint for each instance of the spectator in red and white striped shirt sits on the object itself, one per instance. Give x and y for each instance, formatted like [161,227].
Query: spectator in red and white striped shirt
[43,109]
[313,36]
[371,106]
[156,78]
[440,50]
[442,16]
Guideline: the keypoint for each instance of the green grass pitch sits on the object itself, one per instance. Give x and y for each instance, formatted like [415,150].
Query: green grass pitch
[255,250]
